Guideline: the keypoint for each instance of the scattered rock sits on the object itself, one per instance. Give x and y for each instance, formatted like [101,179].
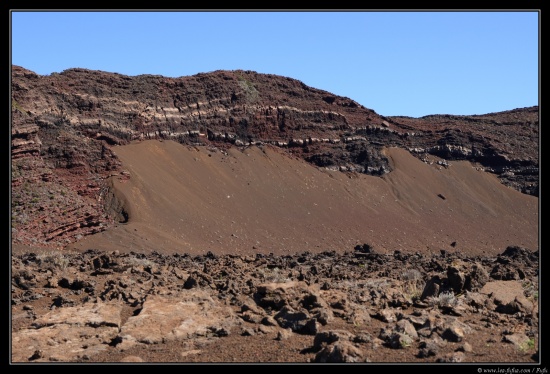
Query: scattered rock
[299,322]
[466,347]
[477,278]
[284,334]
[432,288]
[328,337]
[95,313]
[386,315]
[178,316]
[454,357]
[131,359]
[456,279]
[340,352]
[521,341]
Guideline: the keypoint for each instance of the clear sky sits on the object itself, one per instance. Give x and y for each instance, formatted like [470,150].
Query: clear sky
[410,63]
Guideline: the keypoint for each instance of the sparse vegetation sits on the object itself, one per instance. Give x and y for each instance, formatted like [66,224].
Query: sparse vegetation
[250,92]
[413,284]
[56,259]
[404,343]
[530,290]
[134,261]
[15,173]
[274,275]
[444,299]
[16,106]
[527,345]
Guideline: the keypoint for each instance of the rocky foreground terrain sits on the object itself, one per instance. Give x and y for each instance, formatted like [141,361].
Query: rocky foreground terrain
[355,307]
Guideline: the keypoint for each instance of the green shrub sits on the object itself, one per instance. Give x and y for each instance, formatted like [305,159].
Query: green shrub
[250,92]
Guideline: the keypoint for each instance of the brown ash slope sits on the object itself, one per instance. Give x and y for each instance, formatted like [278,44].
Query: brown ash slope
[66,128]
[195,200]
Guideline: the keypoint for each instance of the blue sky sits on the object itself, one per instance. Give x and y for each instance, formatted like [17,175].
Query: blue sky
[410,63]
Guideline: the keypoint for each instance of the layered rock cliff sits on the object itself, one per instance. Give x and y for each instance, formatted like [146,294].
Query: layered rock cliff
[64,127]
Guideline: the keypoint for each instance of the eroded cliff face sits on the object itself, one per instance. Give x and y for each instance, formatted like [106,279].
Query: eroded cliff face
[65,127]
